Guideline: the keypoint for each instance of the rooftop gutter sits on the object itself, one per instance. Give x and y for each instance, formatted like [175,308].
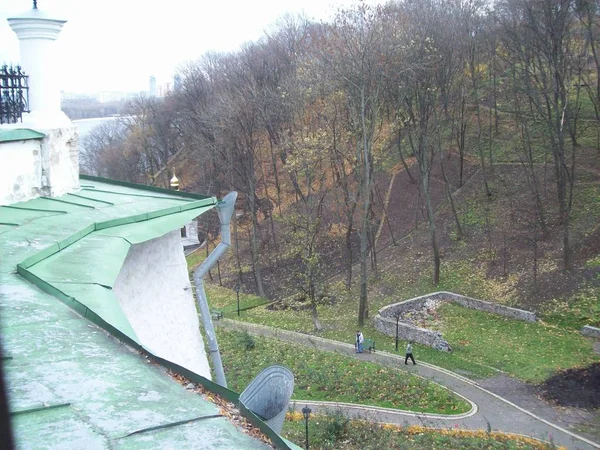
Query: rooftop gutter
[225,210]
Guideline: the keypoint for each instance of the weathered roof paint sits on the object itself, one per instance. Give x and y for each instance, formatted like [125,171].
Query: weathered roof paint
[20,134]
[69,381]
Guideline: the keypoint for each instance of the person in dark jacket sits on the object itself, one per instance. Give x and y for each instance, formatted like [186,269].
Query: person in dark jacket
[409,354]
[359,341]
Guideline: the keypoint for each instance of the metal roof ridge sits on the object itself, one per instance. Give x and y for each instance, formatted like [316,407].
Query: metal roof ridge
[147,188]
[57,246]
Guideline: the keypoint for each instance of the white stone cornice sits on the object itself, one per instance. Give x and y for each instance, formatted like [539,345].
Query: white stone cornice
[36,28]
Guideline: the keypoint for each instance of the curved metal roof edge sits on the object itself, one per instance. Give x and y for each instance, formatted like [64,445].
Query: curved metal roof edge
[20,134]
[96,226]
[211,386]
[84,311]
[147,188]
[228,394]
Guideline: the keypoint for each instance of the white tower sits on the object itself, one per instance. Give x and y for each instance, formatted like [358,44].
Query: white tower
[152,86]
[37,32]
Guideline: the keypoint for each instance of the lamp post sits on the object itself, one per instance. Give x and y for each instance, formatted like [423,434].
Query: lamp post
[237,291]
[397,320]
[306,413]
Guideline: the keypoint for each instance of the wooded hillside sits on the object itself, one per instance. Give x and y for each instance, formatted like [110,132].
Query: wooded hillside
[394,138]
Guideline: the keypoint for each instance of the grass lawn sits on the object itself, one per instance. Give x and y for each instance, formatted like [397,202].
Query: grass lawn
[533,351]
[483,343]
[226,300]
[529,351]
[321,375]
[339,324]
[195,258]
[337,432]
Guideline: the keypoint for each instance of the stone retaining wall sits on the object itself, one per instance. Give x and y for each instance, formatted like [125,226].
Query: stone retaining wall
[588,331]
[481,305]
[385,320]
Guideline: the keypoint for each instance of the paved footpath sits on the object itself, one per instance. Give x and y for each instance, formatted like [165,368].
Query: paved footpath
[489,411]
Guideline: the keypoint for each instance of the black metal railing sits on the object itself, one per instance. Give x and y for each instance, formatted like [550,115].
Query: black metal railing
[14,94]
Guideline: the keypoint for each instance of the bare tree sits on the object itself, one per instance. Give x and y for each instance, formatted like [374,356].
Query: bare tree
[94,146]
[356,57]
[537,36]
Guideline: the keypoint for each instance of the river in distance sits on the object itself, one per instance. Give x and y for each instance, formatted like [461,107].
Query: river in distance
[85,126]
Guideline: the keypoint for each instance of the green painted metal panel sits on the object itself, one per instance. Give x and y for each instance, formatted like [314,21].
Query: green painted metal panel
[164,212]
[197,204]
[21,216]
[40,256]
[144,187]
[116,198]
[69,202]
[58,358]
[93,259]
[79,307]
[75,237]
[24,304]
[232,397]
[141,206]
[121,221]
[212,433]
[46,204]
[20,134]
[56,425]
[151,229]
[139,194]
[29,206]
[103,302]
[91,199]
[7,226]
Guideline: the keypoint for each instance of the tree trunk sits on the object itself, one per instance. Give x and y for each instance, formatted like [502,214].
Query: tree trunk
[474,85]
[254,245]
[349,256]
[431,220]
[373,250]
[315,317]
[364,232]
[271,221]
[459,230]
[412,180]
[207,253]
[480,151]
[386,215]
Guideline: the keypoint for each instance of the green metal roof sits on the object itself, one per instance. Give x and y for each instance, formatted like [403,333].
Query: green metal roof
[69,381]
[20,134]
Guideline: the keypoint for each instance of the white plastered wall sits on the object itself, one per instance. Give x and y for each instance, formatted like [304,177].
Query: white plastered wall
[34,167]
[20,171]
[60,161]
[154,291]
[191,234]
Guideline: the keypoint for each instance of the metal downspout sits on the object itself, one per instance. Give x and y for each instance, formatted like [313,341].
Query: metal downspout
[225,210]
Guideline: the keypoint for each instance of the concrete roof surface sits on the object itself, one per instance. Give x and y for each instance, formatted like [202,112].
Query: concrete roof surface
[70,383]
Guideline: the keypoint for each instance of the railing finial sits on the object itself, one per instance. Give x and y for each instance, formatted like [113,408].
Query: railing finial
[34,4]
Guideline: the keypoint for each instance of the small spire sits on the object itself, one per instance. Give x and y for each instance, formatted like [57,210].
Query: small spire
[35,4]
[174,182]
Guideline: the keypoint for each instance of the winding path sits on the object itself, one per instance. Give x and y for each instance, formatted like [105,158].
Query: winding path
[489,410]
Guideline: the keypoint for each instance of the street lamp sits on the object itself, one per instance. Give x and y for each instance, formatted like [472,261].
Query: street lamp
[397,320]
[237,291]
[306,413]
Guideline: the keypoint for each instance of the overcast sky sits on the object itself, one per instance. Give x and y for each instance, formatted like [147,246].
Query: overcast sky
[118,44]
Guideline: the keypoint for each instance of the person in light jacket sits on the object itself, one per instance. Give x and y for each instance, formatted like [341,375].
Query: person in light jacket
[359,341]
[409,354]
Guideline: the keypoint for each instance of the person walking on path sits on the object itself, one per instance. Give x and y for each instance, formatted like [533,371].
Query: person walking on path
[409,354]
[359,341]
